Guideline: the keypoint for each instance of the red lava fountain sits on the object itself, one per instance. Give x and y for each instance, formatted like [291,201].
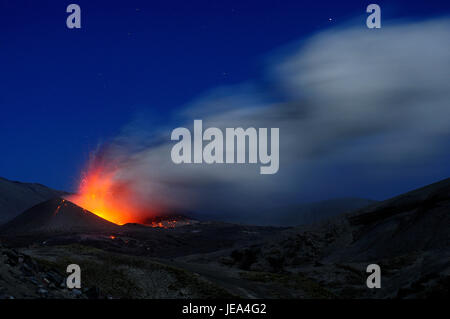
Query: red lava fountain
[103,194]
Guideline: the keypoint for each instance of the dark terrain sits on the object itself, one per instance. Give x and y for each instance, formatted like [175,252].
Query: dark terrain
[408,236]
[16,197]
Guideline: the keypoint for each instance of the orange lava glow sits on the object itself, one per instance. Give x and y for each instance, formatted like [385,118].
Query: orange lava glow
[164,224]
[101,193]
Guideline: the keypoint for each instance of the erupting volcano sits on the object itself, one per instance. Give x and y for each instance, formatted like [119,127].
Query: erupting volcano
[102,192]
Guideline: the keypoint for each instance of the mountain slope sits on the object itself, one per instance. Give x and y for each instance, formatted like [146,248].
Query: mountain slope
[56,215]
[289,215]
[415,221]
[408,236]
[16,197]
[310,213]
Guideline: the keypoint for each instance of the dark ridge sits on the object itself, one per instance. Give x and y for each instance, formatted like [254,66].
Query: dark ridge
[56,215]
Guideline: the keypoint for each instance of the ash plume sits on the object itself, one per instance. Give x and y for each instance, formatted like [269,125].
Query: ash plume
[356,108]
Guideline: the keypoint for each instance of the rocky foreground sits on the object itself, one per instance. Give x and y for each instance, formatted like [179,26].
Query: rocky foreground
[38,272]
[22,277]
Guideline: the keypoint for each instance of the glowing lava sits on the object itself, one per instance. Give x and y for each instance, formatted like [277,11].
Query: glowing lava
[103,194]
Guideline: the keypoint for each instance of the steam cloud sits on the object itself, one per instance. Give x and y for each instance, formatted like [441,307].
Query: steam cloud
[351,103]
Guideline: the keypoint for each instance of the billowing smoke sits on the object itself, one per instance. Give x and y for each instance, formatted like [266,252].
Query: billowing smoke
[354,106]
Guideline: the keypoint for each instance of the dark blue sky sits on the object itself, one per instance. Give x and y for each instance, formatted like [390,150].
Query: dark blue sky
[64,91]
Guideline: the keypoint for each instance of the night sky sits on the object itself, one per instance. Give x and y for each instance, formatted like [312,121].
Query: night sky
[63,91]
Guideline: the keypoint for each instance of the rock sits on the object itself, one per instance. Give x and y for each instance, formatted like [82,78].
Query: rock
[27,270]
[30,262]
[13,258]
[76,292]
[54,277]
[42,291]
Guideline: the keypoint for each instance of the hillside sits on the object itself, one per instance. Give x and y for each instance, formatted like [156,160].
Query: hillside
[310,213]
[16,197]
[56,215]
[289,215]
[408,236]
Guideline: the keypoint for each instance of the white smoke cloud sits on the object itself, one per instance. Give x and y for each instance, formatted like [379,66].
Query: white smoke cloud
[373,99]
